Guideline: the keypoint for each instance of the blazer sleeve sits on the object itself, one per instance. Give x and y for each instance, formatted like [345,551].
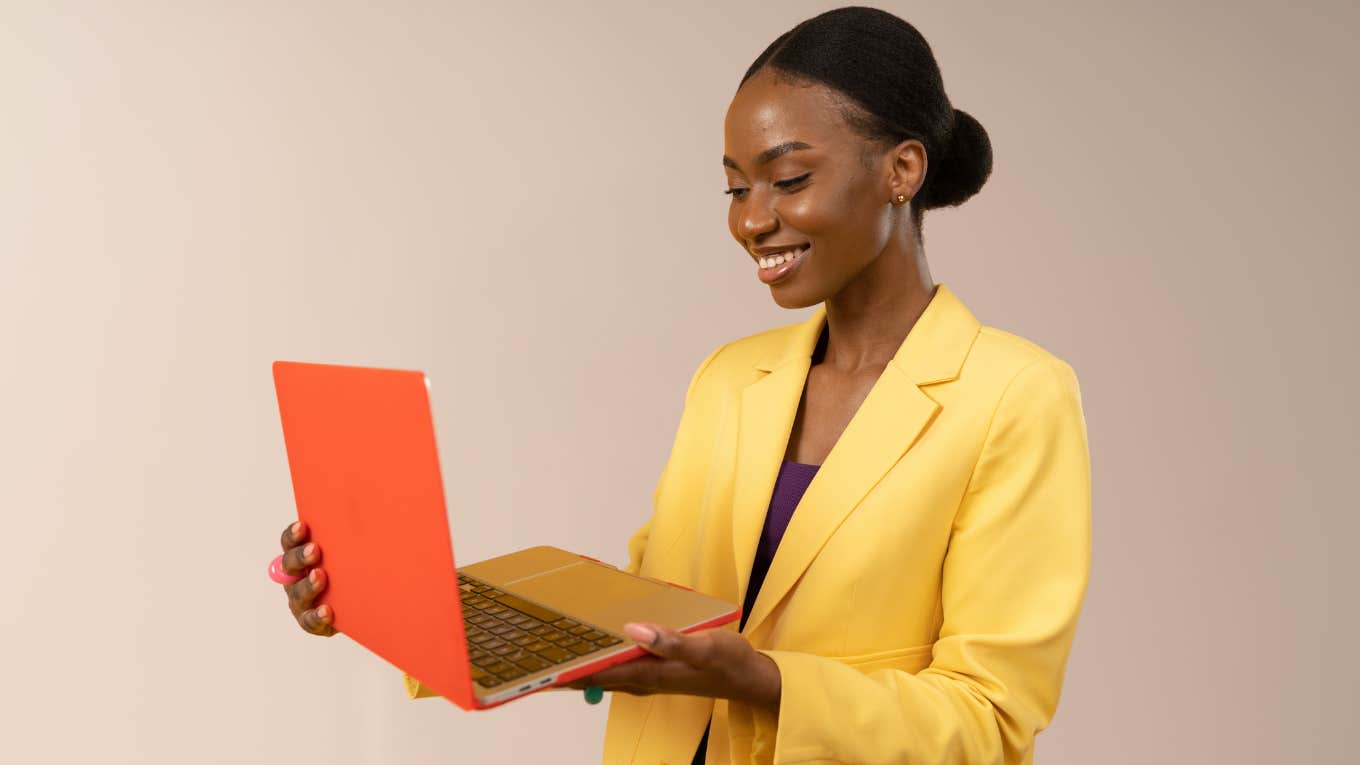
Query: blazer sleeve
[1014,576]
[637,541]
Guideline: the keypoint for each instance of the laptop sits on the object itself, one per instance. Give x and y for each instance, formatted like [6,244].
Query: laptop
[366,480]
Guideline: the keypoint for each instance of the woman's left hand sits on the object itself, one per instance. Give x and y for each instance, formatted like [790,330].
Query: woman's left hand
[717,663]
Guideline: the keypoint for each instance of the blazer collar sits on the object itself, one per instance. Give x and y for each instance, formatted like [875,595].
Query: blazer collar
[887,423]
[933,350]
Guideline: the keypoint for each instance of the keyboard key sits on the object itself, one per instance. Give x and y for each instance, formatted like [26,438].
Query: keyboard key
[593,635]
[538,647]
[532,663]
[524,606]
[579,629]
[524,641]
[506,671]
[563,622]
[581,649]
[554,654]
[607,640]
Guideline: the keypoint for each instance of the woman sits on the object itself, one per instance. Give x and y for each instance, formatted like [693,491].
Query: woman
[925,593]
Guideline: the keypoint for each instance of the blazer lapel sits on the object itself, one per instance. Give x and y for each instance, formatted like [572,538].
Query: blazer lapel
[768,407]
[892,416]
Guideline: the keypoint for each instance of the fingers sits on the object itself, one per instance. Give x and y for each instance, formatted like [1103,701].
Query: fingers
[645,672]
[582,683]
[699,649]
[318,620]
[297,559]
[298,555]
[294,535]
[302,592]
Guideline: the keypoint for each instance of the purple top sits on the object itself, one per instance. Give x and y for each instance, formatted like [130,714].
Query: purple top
[789,486]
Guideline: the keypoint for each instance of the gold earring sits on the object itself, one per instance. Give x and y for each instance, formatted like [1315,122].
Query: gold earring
[900,199]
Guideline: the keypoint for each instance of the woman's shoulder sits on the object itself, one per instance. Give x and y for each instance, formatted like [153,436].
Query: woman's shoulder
[742,360]
[1004,365]
[1007,353]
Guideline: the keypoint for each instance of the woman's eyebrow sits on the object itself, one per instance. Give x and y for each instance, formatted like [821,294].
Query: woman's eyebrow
[770,153]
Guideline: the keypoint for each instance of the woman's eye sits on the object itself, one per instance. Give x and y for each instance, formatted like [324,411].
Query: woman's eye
[738,193]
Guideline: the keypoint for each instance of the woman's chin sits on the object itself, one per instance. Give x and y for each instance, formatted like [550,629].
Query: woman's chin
[790,300]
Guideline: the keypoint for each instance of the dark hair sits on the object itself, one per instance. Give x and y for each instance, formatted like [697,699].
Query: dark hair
[885,71]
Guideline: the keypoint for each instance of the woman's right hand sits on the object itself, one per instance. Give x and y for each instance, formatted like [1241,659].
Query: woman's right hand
[298,555]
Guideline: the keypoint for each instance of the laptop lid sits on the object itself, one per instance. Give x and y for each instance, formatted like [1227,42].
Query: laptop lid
[365,469]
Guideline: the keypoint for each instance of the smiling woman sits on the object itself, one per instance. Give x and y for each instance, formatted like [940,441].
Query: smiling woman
[898,495]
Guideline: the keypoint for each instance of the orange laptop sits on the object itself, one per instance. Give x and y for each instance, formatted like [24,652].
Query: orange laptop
[361,450]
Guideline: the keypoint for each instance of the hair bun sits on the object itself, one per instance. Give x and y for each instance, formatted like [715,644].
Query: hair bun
[965,164]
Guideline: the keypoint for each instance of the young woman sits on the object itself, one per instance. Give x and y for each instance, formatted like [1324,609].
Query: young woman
[898,495]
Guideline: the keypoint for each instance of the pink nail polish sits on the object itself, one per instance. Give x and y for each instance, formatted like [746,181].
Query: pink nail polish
[640,633]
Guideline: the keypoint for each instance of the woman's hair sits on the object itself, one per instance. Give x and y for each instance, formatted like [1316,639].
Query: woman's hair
[884,71]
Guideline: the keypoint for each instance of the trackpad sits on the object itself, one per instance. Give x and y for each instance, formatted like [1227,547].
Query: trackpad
[608,598]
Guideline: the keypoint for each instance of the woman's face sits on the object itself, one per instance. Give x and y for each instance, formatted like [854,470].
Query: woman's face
[798,180]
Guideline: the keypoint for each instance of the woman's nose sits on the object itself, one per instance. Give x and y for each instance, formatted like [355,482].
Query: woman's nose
[756,218]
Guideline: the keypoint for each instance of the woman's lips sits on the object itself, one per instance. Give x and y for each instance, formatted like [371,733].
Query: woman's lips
[779,272]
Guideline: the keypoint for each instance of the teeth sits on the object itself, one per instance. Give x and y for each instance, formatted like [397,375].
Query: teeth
[770,261]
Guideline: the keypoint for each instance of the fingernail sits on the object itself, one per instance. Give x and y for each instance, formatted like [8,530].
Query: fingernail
[644,635]
[323,612]
[309,550]
[314,577]
[295,529]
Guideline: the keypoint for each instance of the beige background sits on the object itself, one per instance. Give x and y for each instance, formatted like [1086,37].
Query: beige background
[524,200]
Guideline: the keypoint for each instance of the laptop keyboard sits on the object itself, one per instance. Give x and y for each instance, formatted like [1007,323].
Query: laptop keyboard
[509,637]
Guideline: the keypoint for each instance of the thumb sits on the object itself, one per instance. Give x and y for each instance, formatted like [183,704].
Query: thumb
[647,635]
[667,643]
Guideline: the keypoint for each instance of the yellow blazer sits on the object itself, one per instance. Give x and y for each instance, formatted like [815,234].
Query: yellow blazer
[922,603]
